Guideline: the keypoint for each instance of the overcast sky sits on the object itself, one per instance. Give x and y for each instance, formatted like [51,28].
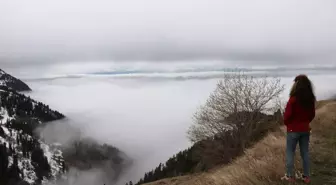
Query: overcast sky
[259,31]
[101,33]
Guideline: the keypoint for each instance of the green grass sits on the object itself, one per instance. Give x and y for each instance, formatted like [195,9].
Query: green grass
[323,173]
[323,158]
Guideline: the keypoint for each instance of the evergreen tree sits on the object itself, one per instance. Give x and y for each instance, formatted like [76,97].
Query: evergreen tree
[3,163]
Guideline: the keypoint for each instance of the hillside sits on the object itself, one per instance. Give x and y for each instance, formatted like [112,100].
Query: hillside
[211,152]
[264,162]
[12,83]
[25,156]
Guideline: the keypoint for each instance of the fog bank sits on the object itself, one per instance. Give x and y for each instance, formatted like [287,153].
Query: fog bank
[146,119]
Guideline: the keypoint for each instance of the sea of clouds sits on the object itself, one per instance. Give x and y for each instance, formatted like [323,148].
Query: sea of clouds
[145,114]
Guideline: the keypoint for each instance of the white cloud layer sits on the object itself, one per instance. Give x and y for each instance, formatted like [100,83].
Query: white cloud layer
[145,118]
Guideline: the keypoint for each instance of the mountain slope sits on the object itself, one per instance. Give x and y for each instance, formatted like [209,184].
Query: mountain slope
[209,153]
[12,82]
[264,163]
[26,156]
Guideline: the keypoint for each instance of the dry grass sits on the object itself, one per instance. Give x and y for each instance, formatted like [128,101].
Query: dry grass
[264,163]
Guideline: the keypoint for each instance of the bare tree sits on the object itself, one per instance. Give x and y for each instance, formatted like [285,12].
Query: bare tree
[237,103]
[240,111]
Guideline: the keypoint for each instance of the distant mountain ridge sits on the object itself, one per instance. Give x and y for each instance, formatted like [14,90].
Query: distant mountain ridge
[190,73]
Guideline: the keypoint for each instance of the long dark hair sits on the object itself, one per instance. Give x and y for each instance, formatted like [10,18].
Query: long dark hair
[302,90]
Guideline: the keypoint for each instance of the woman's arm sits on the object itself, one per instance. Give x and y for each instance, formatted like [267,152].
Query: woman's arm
[289,110]
[312,115]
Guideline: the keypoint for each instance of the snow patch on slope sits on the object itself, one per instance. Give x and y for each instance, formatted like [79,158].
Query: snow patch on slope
[10,138]
[53,154]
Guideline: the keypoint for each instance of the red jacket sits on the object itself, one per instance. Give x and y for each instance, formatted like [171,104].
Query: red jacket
[296,118]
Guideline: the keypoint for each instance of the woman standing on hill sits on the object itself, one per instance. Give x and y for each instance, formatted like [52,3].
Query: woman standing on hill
[299,112]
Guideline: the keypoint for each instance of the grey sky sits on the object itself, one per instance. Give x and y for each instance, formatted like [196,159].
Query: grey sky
[260,31]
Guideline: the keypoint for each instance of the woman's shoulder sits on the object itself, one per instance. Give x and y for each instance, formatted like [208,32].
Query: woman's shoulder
[292,99]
